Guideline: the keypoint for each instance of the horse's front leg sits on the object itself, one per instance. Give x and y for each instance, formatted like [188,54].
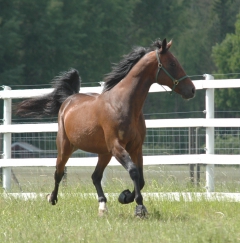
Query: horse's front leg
[136,174]
[97,175]
[127,196]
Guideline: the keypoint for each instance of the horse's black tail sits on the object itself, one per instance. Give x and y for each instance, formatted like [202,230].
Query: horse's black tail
[66,84]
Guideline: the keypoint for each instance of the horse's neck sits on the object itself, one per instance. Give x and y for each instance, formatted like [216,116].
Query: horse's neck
[133,89]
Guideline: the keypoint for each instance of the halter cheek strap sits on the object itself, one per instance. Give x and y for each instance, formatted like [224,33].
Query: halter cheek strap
[175,81]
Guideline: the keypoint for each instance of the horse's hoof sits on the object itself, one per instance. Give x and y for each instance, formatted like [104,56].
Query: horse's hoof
[102,210]
[123,196]
[141,211]
[49,198]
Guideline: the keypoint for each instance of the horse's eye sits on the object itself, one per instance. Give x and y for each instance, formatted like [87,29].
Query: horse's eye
[173,64]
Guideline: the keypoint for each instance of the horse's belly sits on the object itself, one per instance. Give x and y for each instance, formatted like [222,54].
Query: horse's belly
[88,137]
[91,144]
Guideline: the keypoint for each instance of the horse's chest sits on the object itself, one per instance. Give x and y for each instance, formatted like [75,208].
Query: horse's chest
[121,134]
[129,134]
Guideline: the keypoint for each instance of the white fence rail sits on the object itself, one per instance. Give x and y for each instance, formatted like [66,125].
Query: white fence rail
[209,122]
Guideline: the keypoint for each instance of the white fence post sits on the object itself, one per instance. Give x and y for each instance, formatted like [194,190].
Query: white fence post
[209,99]
[7,141]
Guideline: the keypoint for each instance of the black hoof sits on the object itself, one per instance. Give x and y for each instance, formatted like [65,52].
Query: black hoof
[141,211]
[51,200]
[123,197]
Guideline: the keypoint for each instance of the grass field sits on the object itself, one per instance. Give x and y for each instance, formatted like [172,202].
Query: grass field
[160,178]
[75,219]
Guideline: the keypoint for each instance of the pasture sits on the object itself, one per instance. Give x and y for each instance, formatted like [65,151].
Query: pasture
[159,178]
[75,218]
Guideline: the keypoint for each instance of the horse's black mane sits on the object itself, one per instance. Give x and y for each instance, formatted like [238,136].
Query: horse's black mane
[120,70]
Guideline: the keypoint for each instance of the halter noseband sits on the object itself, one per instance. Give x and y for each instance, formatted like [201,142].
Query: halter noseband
[175,81]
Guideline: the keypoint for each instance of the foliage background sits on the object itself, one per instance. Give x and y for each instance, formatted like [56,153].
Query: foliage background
[39,39]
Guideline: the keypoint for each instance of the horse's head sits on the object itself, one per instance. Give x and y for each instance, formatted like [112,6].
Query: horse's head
[171,74]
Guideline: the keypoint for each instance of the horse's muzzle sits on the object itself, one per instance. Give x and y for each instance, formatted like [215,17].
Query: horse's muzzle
[189,93]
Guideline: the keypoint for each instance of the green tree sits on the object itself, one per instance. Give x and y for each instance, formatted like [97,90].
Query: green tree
[196,40]
[225,11]
[227,58]
[158,19]
[11,68]
[39,19]
[105,26]
[41,38]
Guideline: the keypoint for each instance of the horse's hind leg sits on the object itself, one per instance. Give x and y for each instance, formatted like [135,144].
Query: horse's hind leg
[58,175]
[65,149]
[103,160]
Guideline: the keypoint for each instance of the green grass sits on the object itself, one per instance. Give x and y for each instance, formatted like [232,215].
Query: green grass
[159,178]
[75,219]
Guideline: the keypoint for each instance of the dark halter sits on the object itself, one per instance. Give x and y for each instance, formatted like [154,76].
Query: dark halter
[175,81]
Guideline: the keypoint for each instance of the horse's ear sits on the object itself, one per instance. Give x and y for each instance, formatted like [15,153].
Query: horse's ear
[164,47]
[169,44]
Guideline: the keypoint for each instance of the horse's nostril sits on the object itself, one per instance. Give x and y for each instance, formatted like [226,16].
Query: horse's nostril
[193,90]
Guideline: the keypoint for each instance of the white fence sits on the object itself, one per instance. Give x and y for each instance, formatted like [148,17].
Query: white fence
[209,122]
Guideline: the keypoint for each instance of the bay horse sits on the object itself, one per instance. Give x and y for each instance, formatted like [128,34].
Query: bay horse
[111,123]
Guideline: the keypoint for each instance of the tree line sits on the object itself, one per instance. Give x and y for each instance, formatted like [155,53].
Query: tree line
[39,39]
